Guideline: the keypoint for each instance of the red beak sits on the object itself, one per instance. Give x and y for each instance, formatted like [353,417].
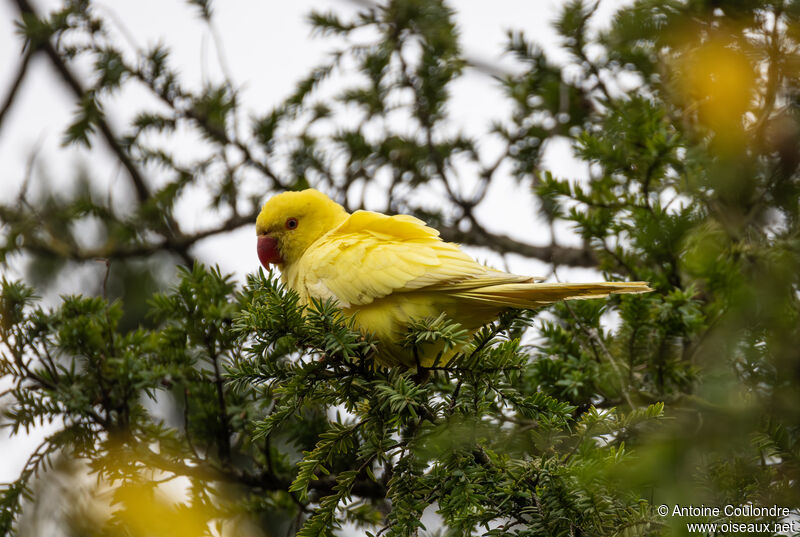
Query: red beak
[268,251]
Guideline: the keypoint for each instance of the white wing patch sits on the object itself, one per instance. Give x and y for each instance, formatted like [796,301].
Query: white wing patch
[317,289]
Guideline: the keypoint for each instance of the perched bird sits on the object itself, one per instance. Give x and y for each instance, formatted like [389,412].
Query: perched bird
[389,270]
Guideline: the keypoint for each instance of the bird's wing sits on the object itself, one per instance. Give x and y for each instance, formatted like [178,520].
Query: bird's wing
[371,255]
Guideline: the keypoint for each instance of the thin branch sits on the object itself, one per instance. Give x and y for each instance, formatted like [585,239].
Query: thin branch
[214,132]
[12,92]
[773,77]
[23,191]
[484,66]
[107,263]
[137,179]
[113,250]
[594,338]
[224,436]
[187,431]
[139,184]
[593,68]
[560,255]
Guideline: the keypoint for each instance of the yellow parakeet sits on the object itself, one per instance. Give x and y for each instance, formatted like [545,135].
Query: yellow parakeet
[388,270]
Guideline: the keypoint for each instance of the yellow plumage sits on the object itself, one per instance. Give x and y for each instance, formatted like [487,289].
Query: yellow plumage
[388,270]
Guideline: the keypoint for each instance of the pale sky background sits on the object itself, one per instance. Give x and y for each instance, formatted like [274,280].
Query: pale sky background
[268,47]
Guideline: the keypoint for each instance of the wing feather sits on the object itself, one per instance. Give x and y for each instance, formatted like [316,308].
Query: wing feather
[371,255]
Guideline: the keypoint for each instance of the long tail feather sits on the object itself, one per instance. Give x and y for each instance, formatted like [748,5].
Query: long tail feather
[534,295]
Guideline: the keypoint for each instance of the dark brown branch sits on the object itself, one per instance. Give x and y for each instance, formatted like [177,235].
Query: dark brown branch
[207,471]
[217,134]
[12,92]
[364,487]
[174,234]
[139,184]
[224,439]
[113,250]
[557,255]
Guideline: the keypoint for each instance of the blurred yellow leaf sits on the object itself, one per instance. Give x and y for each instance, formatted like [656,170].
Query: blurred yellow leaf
[717,78]
[147,512]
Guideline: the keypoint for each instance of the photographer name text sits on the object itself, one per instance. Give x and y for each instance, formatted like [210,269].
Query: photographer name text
[728,510]
[694,511]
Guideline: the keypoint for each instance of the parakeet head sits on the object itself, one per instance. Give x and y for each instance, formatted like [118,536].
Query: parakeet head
[292,221]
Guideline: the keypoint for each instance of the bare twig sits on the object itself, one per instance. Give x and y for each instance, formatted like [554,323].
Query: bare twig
[560,255]
[225,430]
[774,76]
[126,250]
[138,181]
[186,423]
[15,85]
[481,65]
[107,263]
[595,339]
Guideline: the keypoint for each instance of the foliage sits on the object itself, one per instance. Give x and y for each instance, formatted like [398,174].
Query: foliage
[272,418]
[302,421]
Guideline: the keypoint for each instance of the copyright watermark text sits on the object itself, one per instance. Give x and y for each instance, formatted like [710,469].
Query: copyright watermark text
[735,511]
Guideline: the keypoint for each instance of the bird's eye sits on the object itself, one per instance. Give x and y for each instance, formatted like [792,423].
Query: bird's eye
[291,223]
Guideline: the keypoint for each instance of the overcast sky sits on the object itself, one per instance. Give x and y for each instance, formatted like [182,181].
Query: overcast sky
[268,47]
